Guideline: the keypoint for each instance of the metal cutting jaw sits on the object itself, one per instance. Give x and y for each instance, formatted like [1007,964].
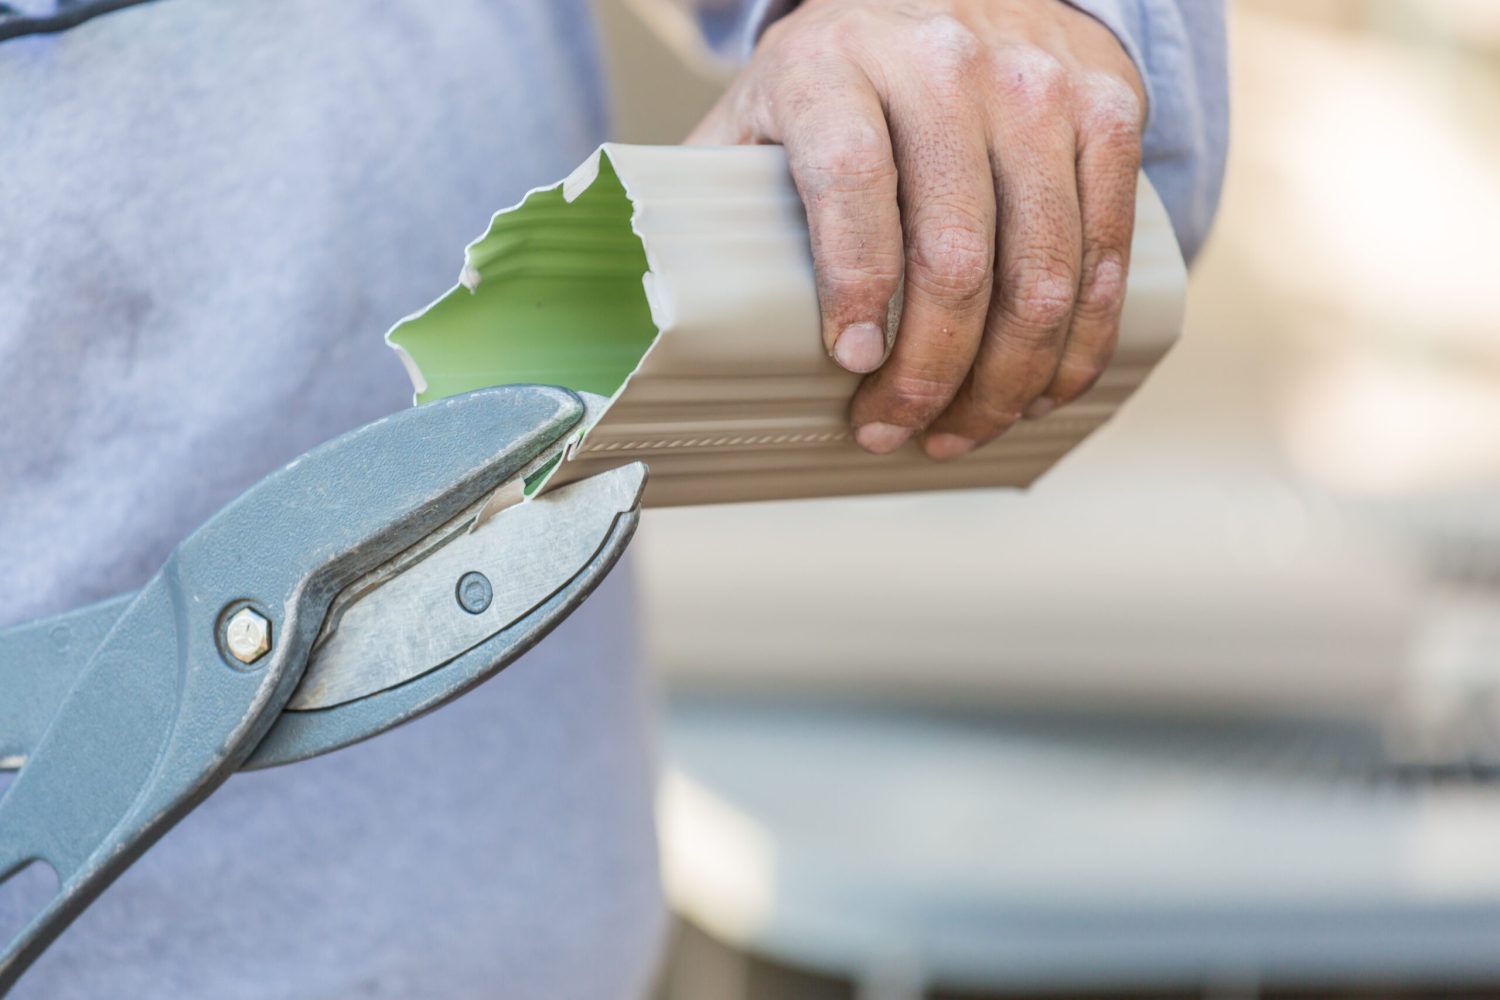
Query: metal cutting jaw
[365,583]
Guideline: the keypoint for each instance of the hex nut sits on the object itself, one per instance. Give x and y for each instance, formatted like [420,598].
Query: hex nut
[247,635]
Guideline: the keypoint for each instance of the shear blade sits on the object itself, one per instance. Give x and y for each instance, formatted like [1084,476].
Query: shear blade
[415,622]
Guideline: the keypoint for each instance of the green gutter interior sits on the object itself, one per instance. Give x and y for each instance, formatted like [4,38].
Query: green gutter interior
[559,300]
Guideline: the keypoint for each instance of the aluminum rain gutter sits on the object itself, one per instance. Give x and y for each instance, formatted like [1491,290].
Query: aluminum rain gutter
[678,283]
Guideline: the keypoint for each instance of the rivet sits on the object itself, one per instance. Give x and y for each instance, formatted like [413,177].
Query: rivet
[474,592]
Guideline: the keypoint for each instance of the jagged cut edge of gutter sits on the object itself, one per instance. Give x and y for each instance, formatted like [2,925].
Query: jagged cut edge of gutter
[655,288]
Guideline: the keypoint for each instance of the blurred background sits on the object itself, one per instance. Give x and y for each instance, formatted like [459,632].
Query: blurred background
[1213,710]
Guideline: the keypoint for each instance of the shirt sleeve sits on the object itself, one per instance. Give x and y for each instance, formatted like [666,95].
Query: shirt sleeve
[1179,47]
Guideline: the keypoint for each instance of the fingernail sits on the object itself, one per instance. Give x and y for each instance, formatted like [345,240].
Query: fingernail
[944,447]
[860,348]
[1039,408]
[881,438]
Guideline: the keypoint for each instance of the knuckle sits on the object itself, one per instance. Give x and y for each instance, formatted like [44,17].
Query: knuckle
[1039,297]
[991,412]
[853,158]
[948,47]
[846,272]
[916,398]
[1103,293]
[1110,105]
[1030,76]
[951,260]
[1076,376]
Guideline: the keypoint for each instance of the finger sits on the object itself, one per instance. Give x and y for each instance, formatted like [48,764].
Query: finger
[948,218]
[839,151]
[1109,160]
[1036,278]
[828,115]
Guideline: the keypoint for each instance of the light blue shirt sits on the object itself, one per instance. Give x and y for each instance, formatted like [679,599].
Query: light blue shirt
[209,212]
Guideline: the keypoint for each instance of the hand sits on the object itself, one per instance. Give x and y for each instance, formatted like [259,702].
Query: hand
[987,151]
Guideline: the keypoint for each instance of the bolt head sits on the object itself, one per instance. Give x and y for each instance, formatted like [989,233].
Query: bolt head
[247,635]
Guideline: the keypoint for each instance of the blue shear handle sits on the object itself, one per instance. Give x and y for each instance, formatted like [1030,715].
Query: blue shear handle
[39,664]
[159,717]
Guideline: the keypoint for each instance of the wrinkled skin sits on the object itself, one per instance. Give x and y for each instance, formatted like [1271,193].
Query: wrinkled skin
[987,152]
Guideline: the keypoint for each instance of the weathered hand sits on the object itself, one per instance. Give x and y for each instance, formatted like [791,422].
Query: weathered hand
[987,150]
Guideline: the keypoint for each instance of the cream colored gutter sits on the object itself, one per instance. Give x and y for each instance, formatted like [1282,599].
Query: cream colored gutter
[678,282]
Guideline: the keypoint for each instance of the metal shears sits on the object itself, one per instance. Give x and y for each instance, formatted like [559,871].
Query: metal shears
[367,582]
